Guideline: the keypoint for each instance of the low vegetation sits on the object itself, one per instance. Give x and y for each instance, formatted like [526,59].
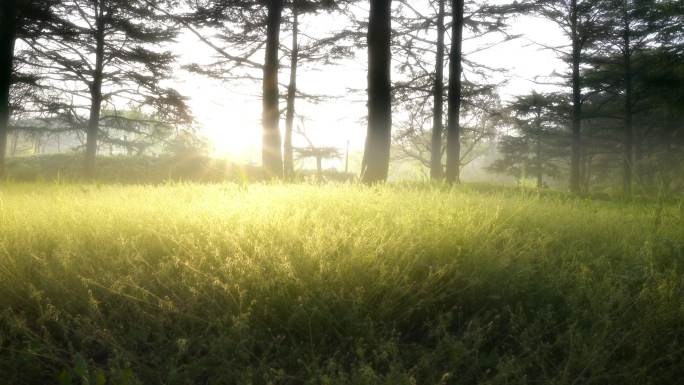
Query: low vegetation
[189,167]
[340,284]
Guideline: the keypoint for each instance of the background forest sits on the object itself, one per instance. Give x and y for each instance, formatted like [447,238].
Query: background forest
[93,79]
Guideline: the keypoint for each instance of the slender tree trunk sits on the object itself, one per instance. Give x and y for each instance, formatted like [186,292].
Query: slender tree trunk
[8,35]
[540,165]
[346,160]
[575,160]
[586,174]
[15,142]
[436,171]
[453,169]
[37,143]
[319,169]
[629,131]
[291,97]
[272,157]
[638,152]
[95,95]
[377,151]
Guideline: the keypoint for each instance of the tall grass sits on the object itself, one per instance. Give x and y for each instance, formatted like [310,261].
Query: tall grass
[339,284]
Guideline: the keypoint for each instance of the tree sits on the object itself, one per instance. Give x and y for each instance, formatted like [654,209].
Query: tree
[624,93]
[111,59]
[420,34]
[377,152]
[436,170]
[288,158]
[577,19]
[271,150]
[420,31]
[248,27]
[245,29]
[481,117]
[319,154]
[629,31]
[19,19]
[313,50]
[655,93]
[667,17]
[539,121]
[8,31]
[453,167]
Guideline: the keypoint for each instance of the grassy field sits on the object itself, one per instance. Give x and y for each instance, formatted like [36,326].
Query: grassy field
[339,284]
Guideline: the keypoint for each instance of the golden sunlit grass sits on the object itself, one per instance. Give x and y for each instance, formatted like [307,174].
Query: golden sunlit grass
[338,284]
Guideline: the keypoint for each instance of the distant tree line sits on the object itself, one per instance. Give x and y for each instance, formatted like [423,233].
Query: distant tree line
[100,66]
[625,108]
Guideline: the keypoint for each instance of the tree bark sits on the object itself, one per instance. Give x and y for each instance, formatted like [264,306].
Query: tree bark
[629,130]
[575,160]
[271,155]
[95,94]
[436,171]
[538,144]
[291,97]
[377,151]
[453,169]
[346,160]
[8,36]
[319,169]
[15,142]
[540,165]
[587,170]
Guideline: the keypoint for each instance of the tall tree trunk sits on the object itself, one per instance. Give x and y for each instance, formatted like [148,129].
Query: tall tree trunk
[15,142]
[291,96]
[346,160]
[37,144]
[453,169]
[8,35]
[629,131]
[638,152]
[436,171]
[575,160]
[271,155]
[587,170]
[377,151]
[319,169]
[95,94]
[540,164]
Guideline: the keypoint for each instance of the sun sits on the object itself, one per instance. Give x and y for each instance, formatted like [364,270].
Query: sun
[237,143]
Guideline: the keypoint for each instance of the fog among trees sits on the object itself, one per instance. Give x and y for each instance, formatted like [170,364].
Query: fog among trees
[98,75]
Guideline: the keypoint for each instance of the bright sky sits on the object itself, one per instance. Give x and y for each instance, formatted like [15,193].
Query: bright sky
[229,113]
